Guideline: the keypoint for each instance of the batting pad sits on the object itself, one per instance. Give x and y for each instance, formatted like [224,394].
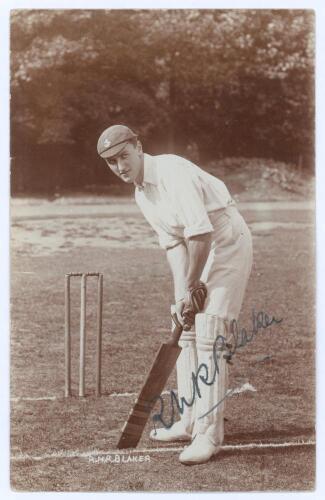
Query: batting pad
[212,376]
[185,365]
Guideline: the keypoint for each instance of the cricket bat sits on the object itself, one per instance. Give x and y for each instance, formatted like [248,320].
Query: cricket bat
[157,377]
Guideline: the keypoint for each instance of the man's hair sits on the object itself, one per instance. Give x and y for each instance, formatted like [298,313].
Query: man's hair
[133,141]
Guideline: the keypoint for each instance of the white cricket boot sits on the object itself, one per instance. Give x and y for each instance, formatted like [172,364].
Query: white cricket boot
[208,430]
[199,451]
[176,432]
[186,364]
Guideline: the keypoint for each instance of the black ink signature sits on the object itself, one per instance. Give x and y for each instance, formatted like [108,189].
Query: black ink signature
[239,337]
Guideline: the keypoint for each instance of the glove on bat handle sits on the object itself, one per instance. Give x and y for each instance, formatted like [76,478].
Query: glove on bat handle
[177,328]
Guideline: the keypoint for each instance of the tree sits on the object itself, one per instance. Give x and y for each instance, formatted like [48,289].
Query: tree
[232,82]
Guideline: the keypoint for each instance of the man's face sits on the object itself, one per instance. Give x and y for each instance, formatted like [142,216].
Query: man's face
[128,163]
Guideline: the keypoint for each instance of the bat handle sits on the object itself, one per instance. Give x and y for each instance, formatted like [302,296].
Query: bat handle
[177,328]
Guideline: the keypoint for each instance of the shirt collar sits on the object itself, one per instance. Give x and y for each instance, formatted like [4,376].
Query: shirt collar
[149,171]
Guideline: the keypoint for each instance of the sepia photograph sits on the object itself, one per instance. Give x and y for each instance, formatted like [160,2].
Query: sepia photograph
[162,250]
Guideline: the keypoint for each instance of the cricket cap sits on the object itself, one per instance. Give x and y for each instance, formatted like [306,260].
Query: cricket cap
[113,140]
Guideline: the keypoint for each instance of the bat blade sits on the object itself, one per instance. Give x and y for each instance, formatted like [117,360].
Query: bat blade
[155,382]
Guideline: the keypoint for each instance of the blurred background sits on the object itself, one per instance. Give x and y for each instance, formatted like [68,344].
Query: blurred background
[232,90]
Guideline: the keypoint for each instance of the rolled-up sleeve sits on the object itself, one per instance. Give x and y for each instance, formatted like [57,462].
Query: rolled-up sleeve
[166,240]
[185,188]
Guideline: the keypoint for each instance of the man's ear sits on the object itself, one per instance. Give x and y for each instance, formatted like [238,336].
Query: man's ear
[139,147]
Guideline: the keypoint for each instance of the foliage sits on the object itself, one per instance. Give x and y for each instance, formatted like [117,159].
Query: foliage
[226,82]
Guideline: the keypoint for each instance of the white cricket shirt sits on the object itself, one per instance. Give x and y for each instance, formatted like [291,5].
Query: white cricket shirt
[176,197]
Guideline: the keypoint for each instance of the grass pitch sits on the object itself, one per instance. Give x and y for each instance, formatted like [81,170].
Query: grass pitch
[60,444]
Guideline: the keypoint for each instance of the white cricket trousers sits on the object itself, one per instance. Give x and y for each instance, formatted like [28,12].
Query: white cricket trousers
[225,274]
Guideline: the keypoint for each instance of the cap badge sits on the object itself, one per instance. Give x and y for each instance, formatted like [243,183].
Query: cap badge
[107,143]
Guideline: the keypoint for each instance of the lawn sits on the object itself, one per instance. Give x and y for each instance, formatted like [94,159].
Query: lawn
[60,444]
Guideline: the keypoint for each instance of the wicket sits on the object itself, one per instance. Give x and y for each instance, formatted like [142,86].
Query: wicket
[82,356]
